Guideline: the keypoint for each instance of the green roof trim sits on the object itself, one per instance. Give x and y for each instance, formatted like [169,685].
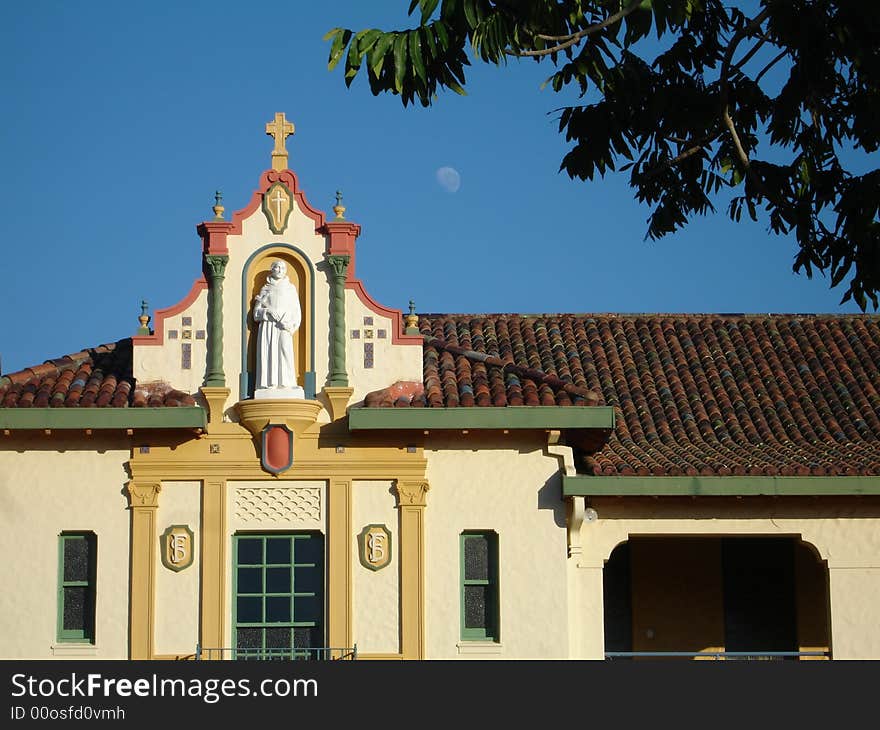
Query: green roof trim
[732,486]
[102,418]
[511,417]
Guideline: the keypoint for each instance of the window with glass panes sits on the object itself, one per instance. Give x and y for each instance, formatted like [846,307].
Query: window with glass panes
[479,586]
[278,595]
[76,586]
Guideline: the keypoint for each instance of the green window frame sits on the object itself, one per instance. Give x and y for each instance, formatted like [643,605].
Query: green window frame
[278,595]
[480,604]
[77,570]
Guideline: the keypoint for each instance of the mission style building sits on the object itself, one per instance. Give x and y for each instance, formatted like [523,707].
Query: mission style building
[445,485]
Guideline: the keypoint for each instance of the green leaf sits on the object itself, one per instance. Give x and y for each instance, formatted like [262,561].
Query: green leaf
[415,54]
[367,40]
[456,87]
[429,38]
[428,7]
[399,61]
[442,35]
[352,63]
[470,13]
[380,51]
[340,41]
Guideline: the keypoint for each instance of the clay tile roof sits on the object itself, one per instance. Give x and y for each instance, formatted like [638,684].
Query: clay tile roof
[97,378]
[694,394]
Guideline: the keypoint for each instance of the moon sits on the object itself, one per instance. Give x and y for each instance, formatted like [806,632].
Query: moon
[448,179]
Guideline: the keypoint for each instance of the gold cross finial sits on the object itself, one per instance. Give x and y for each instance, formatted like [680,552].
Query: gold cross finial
[279,129]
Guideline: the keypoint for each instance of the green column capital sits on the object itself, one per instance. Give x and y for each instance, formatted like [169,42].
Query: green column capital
[216,265]
[339,264]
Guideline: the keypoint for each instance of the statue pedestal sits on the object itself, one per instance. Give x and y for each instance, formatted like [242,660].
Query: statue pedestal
[279,393]
[297,414]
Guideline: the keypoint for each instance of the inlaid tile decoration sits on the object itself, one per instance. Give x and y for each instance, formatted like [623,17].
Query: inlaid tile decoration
[278,504]
[368,333]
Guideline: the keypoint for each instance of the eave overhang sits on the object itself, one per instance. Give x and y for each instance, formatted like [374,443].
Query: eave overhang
[102,418]
[491,418]
[712,486]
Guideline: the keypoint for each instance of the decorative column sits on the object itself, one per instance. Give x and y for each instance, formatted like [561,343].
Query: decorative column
[411,506]
[338,373]
[213,565]
[339,535]
[215,266]
[143,500]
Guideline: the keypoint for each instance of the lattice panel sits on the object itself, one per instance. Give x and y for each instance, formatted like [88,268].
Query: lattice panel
[278,504]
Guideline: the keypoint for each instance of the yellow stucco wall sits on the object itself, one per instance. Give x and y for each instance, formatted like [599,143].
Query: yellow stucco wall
[57,486]
[177,593]
[836,528]
[376,621]
[513,489]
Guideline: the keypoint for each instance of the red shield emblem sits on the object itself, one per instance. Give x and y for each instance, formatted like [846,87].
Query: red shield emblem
[277,453]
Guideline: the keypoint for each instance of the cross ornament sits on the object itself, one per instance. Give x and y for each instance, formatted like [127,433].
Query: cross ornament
[277,206]
[279,130]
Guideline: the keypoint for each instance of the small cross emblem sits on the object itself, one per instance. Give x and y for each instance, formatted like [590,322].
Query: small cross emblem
[277,206]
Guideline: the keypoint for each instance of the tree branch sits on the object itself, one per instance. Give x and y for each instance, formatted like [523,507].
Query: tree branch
[572,38]
[738,38]
[724,91]
[770,65]
[698,146]
[740,152]
[745,59]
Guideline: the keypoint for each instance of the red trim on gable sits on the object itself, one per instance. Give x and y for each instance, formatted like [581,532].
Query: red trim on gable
[341,240]
[397,338]
[214,237]
[158,336]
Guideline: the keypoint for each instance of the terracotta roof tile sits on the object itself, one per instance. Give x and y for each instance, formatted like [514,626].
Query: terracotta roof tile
[699,394]
[96,378]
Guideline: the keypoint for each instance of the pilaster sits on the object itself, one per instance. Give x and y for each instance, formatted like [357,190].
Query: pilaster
[411,505]
[143,499]
[213,564]
[340,598]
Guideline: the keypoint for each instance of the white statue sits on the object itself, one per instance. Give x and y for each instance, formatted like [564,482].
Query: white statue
[277,310]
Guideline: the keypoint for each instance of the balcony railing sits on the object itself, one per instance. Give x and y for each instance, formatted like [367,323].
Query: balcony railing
[321,653]
[727,655]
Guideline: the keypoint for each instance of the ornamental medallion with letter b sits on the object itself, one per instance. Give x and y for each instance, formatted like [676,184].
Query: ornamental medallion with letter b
[374,543]
[176,544]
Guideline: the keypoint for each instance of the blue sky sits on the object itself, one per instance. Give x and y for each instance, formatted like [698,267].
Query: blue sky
[122,119]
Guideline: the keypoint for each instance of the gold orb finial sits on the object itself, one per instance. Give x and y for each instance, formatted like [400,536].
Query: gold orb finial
[339,208]
[218,206]
[411,320]
[144,319]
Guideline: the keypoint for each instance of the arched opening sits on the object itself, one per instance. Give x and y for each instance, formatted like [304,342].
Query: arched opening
[720,597]
[299,273]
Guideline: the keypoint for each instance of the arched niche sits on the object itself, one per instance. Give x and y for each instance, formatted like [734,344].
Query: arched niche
[302,275]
